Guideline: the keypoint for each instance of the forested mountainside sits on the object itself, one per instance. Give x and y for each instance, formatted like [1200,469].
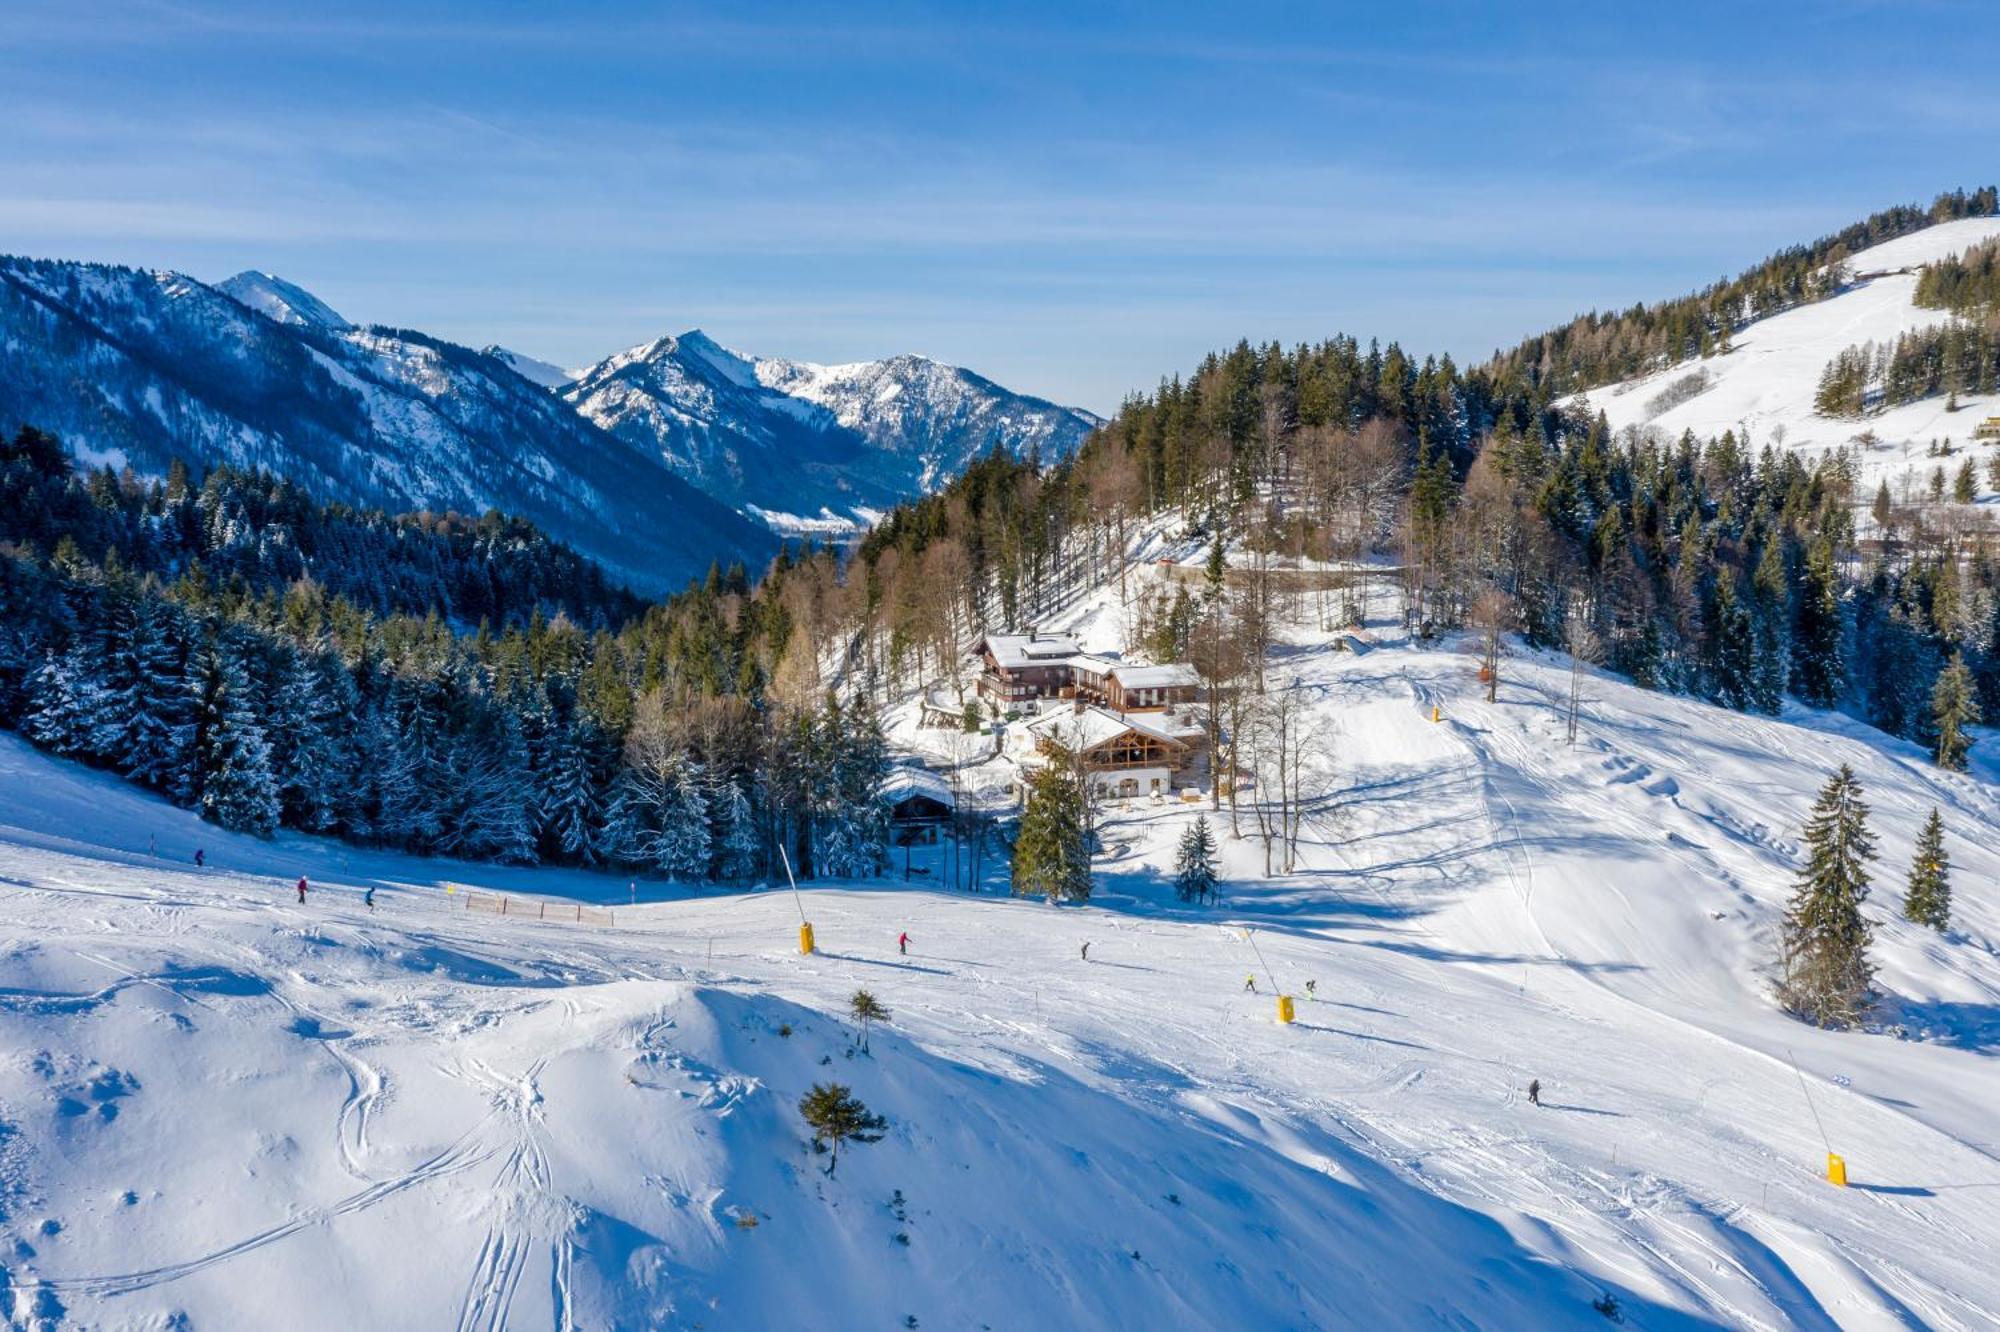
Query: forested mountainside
[137,368]
[249,534]
[259,693]
[813,446]
[1603,347]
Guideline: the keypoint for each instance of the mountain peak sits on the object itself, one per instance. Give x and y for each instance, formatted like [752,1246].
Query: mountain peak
[286,302]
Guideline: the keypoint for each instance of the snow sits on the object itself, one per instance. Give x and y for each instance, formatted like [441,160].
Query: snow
[271,295]
[224,1106]
[1764,386]
[544,373]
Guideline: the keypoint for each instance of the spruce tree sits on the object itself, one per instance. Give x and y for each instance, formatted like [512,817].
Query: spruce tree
[681,846]
[738,841]
[235,786]
[1194,866]
[1927,901]
[1828,978]
[63,705]
[1051,851]
[1954,709]
[1819,668]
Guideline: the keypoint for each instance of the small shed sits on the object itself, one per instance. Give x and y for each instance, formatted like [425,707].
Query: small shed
[920,804]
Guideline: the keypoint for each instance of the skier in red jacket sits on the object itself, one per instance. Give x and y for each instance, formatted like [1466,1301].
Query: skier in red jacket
[302,890]
[903,942]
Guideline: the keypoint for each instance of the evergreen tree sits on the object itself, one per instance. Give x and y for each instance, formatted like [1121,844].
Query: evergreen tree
[64,702]
[234,784]
[1051,851]
[1194,865]
[567,808]
[1819,670]
[1927,901]
[739,852]
[1954,709]
[1965,487]
[867,1011]
[836,1116]
[854,822]
[1828,979]
[681,846]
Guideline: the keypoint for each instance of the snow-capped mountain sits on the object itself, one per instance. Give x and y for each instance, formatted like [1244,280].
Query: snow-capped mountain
[803,445]
[1765,385]
[544,373]
[275,298]
[137,368]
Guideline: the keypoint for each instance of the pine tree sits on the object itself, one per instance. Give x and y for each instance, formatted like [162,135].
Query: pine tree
[1954,709]
[1965,487]
[1051,851]
[836,1116]
[234,784]
[1828,978]
[1927,900]
[1194,866]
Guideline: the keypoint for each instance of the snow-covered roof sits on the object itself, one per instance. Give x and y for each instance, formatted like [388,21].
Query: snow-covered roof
[1156,677]
[1016,650]
[1092,726]
[901,783]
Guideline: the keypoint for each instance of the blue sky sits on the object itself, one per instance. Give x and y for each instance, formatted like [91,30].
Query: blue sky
[1073,199]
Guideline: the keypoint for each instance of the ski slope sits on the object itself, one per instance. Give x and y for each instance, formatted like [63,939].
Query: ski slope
[219,1108]
[1764,386]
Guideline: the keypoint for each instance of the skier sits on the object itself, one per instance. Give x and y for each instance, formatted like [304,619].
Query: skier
[1086,950]
[368,898]
[1534,1091]
[903,942]
[1312,987]
[1250,984]
[302,890]
[198,857]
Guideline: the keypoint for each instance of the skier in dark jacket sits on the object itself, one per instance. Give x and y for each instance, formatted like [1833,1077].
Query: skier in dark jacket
[197,857]
[302,890]
[1086,950]
[1534,1091]
[368,899]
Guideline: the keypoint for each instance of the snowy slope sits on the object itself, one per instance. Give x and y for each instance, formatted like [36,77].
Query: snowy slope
[807,446]
[548,375]
[1765,384]
[135,368]
[275,298]
[224,1106]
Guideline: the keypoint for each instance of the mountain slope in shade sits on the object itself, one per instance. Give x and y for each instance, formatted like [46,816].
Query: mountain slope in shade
[138,368]
[796,442]
[1766,383]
